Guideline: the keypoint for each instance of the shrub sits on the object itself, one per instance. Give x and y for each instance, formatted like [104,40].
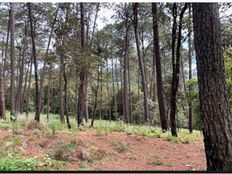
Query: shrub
[121,147]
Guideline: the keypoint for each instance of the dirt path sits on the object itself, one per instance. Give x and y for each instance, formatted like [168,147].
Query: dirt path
[119,151]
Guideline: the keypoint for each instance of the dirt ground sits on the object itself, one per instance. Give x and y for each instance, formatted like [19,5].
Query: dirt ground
[117,150]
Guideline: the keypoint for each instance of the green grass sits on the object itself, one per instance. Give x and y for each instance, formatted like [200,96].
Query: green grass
[104,127]
[17,163]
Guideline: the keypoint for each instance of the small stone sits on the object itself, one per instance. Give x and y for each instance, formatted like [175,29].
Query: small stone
[8,143]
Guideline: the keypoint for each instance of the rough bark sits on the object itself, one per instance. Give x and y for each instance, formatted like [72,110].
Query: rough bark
[157,63]
[215,110]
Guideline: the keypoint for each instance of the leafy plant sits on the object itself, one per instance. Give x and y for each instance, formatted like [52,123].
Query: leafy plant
[16,163]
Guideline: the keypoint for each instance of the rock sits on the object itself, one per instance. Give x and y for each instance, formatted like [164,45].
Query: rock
[85,155]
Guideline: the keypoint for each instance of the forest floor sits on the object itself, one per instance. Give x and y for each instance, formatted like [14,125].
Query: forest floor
[108,146]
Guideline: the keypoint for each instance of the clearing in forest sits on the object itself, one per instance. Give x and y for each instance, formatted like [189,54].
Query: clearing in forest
[107,146]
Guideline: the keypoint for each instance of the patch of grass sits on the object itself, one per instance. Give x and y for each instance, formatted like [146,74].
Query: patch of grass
[171,138]
[121,147]
[63,151]
[17,163]
[156,161]
[49,163]
[84,165]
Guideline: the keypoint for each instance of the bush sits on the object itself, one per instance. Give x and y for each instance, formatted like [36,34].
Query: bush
[16,163]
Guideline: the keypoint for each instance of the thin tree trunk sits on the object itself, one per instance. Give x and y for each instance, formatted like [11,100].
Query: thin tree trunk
[215,110]
[49,92]
[125,71]
[2,94]
[141,64]
[21,73]
[37,92]
[29,88]
[95,98]
[66,99]
[190,72]
[12,56]
[7,41]
[61,89]
[46,55]
[157,63]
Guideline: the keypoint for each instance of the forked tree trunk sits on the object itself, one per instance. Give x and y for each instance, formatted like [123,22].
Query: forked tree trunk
[157,63]
[215,110]
[141,62]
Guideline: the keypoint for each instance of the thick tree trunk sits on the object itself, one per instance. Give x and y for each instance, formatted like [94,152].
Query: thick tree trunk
[81,90]
[37,92]
[157,63]
[215,110]
[12,56]
[141,64]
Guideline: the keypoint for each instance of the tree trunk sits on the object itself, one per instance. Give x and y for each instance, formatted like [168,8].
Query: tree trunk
[61,89]
[49,92]
[190,72]
[46,55]
[141,64]
[125,72]
[157,63]
[81,90]
[2,95]
[176,65]
[215,110]
[66,99]
[21,73]
[12,56]
[37,92]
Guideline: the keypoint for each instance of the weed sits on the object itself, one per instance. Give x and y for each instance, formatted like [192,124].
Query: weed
[171,138]
[84,165]
[16,163]
[121,147]
[156,161]
[63,151]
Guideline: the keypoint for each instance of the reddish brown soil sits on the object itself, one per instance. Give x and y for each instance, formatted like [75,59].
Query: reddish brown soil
[146,153]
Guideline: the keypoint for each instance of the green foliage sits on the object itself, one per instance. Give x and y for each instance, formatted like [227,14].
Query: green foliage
[171,138]
[16,163]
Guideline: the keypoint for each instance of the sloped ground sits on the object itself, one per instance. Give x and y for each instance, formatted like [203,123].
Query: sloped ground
[109,150]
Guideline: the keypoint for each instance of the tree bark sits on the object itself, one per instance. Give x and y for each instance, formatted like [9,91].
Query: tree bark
[215,110]
[190,72]
[176,65]
[125,72]
[37,92]
[12,56]
[2,95]
[157,63]
[141,64]
[21,73]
